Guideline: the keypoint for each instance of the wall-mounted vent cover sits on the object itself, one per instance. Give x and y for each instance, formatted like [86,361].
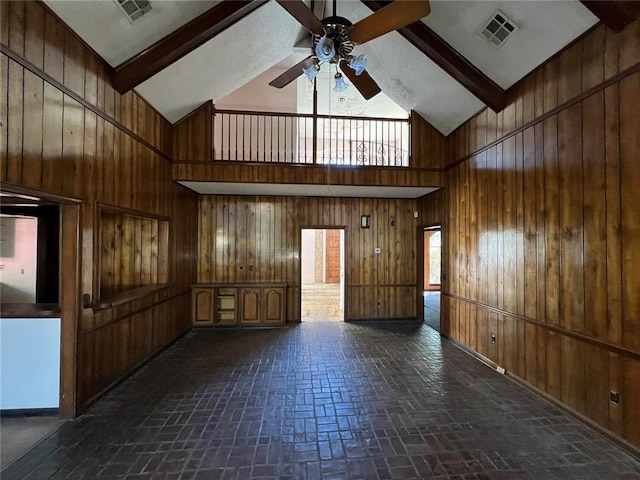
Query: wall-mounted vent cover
[134,9]
[498,29]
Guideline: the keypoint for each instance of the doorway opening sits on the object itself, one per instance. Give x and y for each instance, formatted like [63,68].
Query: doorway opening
[39,245]
[322,275]
[432,244]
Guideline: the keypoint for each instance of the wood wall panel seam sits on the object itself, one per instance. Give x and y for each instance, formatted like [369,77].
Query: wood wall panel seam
[579,98]
[52,81]
[551,327]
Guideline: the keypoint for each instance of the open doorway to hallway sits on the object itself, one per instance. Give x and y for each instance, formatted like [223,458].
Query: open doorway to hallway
[322,272]
[38,317]
[432,238]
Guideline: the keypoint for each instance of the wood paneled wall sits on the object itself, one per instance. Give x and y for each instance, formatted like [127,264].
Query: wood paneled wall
[192,136]
[432,208]
[65,131]
[264,232]
[429,148]
[133,252]
[542,231]
[306,174]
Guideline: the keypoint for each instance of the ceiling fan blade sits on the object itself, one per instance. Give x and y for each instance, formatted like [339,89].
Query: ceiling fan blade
[304,15]
[366,85]
[391,17]
[294,72]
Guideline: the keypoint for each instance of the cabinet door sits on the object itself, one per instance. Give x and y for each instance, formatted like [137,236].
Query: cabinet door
[274,302]
[202,306]
[250,305]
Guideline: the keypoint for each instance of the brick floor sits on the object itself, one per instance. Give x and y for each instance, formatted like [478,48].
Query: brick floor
[323,400]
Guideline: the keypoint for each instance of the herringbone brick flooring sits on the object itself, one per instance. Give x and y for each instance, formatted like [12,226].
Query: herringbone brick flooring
[322,400]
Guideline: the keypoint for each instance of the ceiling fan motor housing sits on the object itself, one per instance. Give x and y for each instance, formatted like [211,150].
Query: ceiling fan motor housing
[337,29]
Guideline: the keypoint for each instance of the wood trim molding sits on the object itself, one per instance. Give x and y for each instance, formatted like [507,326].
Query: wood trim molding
[607,83]
[554,328]
[131,313]
[184,40]
[106,207]
[615,14]
[52,81]
[450,60]
[69,299]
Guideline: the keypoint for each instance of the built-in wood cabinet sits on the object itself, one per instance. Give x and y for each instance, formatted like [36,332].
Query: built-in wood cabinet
[242,304]
[250,312]
[202,305]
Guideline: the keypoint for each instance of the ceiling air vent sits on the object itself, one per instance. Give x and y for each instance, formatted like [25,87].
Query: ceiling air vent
[498,29]
[134,9]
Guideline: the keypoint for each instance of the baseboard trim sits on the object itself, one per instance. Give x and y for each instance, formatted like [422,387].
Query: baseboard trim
[630,448]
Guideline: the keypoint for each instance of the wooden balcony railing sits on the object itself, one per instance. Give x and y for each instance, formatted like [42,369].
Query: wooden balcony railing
[307,139]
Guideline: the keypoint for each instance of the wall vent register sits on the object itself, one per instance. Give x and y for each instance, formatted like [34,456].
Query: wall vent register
[498,29]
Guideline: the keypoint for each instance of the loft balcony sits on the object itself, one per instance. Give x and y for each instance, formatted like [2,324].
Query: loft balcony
[285,148]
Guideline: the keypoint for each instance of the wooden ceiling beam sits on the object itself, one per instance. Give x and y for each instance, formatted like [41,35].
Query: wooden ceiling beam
[614,14]
[450,60]
[182,41]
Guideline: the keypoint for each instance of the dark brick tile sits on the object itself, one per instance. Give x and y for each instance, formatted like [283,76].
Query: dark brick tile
[322,401]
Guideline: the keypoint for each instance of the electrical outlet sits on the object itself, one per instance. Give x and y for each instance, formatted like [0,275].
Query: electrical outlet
[615,397]
[493,338]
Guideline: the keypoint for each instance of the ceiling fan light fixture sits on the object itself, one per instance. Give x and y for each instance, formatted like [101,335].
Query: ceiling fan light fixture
[358,63]
[311,72]
[325,49]
[341,85]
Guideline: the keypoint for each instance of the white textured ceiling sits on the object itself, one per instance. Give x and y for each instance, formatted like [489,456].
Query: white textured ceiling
[268,35]
[235,56]
[544,28]
[105,28]
[299,190]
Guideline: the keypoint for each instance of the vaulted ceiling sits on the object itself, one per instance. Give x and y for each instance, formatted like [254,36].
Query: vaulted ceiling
[440,67]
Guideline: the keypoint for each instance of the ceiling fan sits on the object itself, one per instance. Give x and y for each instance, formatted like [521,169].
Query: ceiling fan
[334,38]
